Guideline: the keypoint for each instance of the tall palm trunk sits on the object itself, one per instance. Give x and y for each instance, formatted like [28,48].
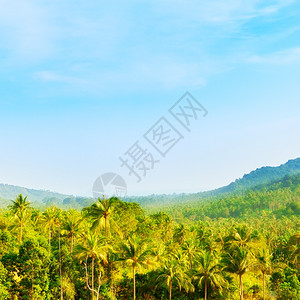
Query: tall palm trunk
[49,235]
[263,285]
[21,232]
[170,290]
[134,292]
[241,287]
[105,228]
[93,265]
[60,269]
[72,242]
[205,289]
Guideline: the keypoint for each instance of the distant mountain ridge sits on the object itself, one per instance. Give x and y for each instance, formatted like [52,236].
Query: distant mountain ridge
[8,191]
[257,178]
[261,176]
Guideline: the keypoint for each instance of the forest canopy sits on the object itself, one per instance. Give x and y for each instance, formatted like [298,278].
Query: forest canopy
[239,246]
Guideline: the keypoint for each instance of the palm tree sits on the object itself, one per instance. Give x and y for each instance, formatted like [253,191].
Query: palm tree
[113,270]
[263,263]
[208,272]
[100,213]
[158,253]
[57,223]
[50,219]
[180,234]
[173,273]
[190,249]
[94,249]
[71,226]
[137,257]
[293,248]
[241,236]
[237,261]
[20,208]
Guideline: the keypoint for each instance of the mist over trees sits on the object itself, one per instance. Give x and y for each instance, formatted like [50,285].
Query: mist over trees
[244,246]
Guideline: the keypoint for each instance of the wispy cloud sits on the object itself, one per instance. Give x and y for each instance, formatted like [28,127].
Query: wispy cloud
[161,73]
[25,30]
[224,11]
[287,56]
[50,76]
[157,45]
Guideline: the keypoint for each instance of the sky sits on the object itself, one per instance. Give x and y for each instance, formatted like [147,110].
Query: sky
[82,81]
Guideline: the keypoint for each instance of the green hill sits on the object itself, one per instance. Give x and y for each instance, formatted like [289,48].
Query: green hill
[262,175]
[8,191]
[280,198]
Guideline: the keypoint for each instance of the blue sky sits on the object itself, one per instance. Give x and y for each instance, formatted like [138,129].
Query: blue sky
[81,82]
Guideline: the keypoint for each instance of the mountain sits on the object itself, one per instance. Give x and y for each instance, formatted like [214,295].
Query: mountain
[261,176]
[11,191]
[280,198]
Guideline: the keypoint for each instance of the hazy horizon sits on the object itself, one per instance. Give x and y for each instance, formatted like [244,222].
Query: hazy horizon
[81,83]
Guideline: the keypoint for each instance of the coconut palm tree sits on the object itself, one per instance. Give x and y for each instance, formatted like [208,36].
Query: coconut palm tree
[180,234]
[263,263]
[293,248]
[237,260]
[100,213]
[158,253]
[137,257]
[190,249]
[50,219]
[94,249]
[71,226]
[113,270]
[173,273]
[20,208]
[208,272]
[241,236]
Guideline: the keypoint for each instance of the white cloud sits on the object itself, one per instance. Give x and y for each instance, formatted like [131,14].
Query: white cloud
[218,11]
[155,74]
[287,56]
[50,76]
[24,30]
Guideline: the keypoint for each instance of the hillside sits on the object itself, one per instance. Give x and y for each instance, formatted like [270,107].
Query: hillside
[10,191]
[279,198]
[262,175]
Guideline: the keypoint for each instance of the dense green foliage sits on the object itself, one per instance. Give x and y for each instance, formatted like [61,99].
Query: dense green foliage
[237,247]
[9,191]
[263,175]
[280,198]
